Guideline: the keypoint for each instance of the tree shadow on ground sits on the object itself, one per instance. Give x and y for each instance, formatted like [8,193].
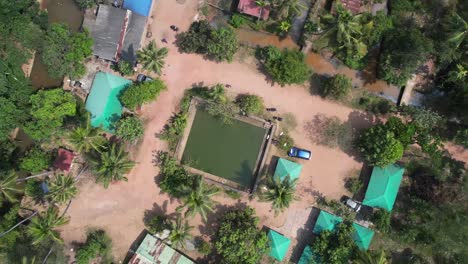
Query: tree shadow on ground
[316,82]
[304,235]
[158,210]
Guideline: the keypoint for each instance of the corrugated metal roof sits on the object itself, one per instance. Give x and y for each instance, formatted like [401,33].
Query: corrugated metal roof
[155,251]
[106,31]
[133,35]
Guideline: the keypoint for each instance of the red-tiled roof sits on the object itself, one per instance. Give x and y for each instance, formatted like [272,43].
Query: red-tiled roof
[249,7]
[64,160]
[352,5]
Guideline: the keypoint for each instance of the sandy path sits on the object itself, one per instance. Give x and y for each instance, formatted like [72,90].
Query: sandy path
[120,209]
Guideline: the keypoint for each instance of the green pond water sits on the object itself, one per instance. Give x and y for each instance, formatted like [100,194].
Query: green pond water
[228,151]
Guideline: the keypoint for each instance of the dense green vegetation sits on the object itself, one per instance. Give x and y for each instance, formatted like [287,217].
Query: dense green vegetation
[97,245]
[335,247]
[337,87]
[280,193]
[218,44]
[35,160]
[129,128]
[142,93]
[250,103]
[152,58]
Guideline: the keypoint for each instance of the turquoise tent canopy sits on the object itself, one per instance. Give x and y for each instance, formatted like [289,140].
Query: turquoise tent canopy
[307,256]
[279,245]
[103,101]
[326,221]
[286,168]
[383,187]
[362,236]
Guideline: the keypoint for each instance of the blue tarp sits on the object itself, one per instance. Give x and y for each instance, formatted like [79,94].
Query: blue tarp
[141,7]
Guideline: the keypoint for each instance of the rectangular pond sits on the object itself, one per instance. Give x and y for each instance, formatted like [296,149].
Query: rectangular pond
[229,151]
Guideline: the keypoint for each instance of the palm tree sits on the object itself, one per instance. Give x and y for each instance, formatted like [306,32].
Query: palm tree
[44,227]
[262,4]
[180,232]
[111,164]
[152,58]
[281,193]
[457,29]
[291,8]
[62,189]
[217,93]
[25,260]
[8,187]
[344,29]
[284,26]
[198,200]
[85,139]
[366,257]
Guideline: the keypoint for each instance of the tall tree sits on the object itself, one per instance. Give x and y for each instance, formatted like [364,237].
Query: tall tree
[152,57]
[44,227]
[84,139]
[368,257]
[8,187]
[218,93]
[180,232]
[62,189]
[111,164]
[280,193]
[199,199]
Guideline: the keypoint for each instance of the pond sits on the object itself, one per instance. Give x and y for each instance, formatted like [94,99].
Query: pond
[229,151]
[59,11]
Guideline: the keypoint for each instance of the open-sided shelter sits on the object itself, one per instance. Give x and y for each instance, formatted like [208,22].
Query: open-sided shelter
[279,245]
[362,236]
[286,168]
[383,187]
[326,221]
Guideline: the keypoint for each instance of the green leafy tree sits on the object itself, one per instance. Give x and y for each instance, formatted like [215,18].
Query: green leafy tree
[142,93]
[379,147]
[381,220]
[337,87]
[196,38]
[404,133]
[176,179]
[62,189]
[249,103]
[225,112]
[49,109]
[44,227]
[125,68]
[65,51]
[218,93]
[152,57]
[285,67]
[280,193]
[223,44]
[36,160]
[85,4]
[130,128]
[157,224]
[98,245]
[111,164]
[238,240]
[335,247]
[180,232]
[85,139]
[9,188]
[285,142]
[198,199]
[8,219]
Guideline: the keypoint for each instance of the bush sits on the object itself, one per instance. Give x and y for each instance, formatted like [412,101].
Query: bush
[97,244]
[284,67]
[232,194]
[237,21]
[33,189]
[129,128]
[337,87]
[36,160]
[157,224]
[125,68]
[249,103]
[462,137]
[175,178]
[353,185]
[84,4]
[285,142]
[203,247]
[225,112]
[335,246]
[381,220]
[174,130]
[142,93]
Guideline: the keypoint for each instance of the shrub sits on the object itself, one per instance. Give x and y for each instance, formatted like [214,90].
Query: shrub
[225,112]
[142,93]
[237,21]
[381,220]
[157,224]
[249,103]
[353,185]
[125,68]
[84,4]
[97,244]
[33,189]
[335,246]
[129,128]
[233,194]
[285,142]
[203,247]
[337,87]
[173,131]
[175,178]
[462,137]
[36,160]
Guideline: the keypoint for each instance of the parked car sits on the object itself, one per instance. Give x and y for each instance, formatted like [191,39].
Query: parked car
[299,153]
[354,205]
[143,78]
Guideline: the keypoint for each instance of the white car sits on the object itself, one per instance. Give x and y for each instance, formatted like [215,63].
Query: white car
[355,206]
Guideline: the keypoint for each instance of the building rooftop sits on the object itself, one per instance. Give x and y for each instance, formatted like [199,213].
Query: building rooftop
[141,7]
[155,251]
[64,160]
[251,8]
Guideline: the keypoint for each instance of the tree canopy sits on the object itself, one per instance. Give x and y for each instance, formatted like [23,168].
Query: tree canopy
[129,128]
[335,247]
[142,93]
[337,87]
[250,103]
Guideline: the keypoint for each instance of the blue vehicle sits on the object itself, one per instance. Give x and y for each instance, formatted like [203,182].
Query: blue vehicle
[299,153]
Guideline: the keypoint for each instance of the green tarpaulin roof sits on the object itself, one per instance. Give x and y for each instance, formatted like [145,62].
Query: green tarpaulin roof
[362,236]
[285,167]
[279,245]
[383,187]
[308,255]
[326,221]
[103,102]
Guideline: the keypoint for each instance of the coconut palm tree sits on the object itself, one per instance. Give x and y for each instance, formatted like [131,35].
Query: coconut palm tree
[180,232]
[44,227]
[152,58]
[290,8]
[85,139]
[111,164]
[217,93]
[344,29]
[62,189]
[262,4]
[198,200]
[281,193]
[366,257]
[8,187]
[457,29]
